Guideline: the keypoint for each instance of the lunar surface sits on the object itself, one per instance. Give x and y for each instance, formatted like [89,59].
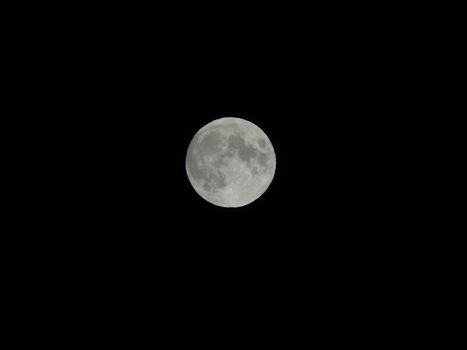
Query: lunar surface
[230,162]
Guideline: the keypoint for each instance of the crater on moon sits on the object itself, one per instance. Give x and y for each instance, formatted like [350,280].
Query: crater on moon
[229,162]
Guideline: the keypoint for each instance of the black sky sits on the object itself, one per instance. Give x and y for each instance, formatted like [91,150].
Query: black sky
[130,92]
[322,88]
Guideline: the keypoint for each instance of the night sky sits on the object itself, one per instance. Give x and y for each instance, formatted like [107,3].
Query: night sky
[130,94]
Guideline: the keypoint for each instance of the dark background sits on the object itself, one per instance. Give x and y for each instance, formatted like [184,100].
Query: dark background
[123,91]
[323,89]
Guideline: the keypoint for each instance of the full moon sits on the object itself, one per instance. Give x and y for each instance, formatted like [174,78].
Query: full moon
[230,162]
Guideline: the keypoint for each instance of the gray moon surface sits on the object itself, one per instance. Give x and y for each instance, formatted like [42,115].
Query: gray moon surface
[230,162]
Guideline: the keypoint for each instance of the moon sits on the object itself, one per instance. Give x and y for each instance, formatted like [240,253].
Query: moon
[230,162]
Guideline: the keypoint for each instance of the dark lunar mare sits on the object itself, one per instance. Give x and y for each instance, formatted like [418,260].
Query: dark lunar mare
[263,159]
[209,146]
[245,152]
[248,152]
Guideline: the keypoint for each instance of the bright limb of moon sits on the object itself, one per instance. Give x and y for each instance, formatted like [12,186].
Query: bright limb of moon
[230,162]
